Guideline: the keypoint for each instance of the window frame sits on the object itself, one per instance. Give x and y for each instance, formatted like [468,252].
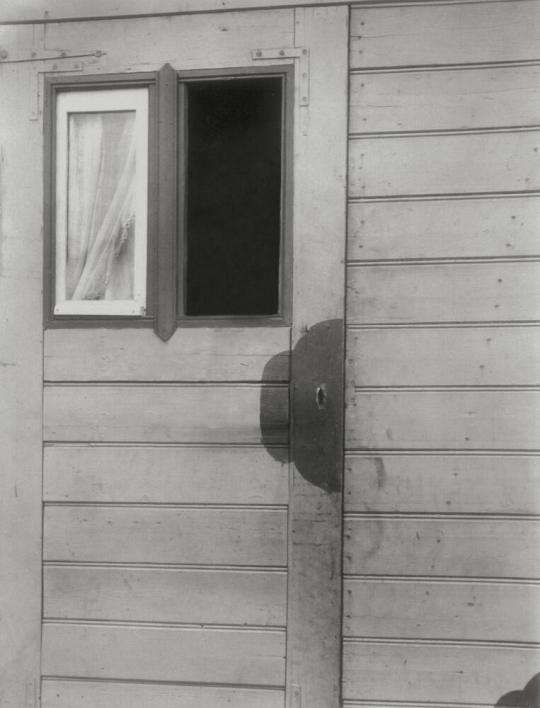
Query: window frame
[166,233]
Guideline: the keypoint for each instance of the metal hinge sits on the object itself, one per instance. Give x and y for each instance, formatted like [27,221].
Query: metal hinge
[300,54]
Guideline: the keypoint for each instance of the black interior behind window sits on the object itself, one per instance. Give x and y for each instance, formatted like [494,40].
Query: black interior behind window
[234,179]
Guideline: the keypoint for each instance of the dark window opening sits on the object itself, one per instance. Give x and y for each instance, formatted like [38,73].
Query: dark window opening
[233,197]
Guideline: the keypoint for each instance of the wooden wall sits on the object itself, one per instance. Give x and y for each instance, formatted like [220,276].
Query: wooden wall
[441,540]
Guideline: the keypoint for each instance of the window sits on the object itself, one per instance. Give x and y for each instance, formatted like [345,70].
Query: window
[167,198]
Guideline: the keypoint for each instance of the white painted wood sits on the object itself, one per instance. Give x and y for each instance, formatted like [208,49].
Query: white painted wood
[226,414]
[433,100]
[459,292]
[445,164]
[66,694]
[194,354]
[164,653]
[20,389]
[438,33]
[320,147]
[445,420]
[165,535]
[145,44]
[438,673]
[454,228]
[68,105]
[183,475]
[159,595]
[477,547]
[11,11]
[459,484]
[454,356]
[441,610]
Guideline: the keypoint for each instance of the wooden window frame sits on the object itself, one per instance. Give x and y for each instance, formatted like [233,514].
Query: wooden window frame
[166,232]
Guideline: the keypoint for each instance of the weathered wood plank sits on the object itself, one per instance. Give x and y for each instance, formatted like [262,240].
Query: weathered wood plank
[430,100]
[315,509]
[158,595]
[165,535]
[505,548]
[12,11]
[462,484]
[460,292]
[444,420]
[21,250]
[452,357]
[164,654]
[66,694]
[444,228]
[445,164]
[441,610]
[183,475]
[444,34]
[108,413]
[439,673]
[148,42]
[220,354]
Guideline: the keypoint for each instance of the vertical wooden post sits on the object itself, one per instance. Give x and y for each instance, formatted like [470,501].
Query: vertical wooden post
[21,363]
[315,504]
[165,280]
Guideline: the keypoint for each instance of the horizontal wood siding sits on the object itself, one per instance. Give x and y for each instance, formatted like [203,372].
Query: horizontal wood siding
[179,654]
[439,483]
[410,672]
[225,354]
[444,420]
[431,100]
[143,534]
[439,34]
[443,228]
[193,414]
[442,475]
[454,609]
[454,547]
[165,474]
[481,356]
[108,694]
[184,595]
[461,292]
[445,164]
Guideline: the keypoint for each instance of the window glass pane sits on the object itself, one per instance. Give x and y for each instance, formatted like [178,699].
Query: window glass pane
[234,196]
[101,199]
[101,217]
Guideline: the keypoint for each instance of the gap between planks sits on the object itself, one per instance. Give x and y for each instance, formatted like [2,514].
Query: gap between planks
[398,641]
[279,569]
[438,579]
[150,682]
[205,626]
[418,68]
[443,132]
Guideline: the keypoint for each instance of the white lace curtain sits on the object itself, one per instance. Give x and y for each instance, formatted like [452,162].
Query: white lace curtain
[101,182]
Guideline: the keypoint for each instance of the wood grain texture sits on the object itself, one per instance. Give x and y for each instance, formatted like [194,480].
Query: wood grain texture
[165,535]
[66,694]
[442,610]
[444,34]
[453,228]
[80,9]
[147,43]
[444,357]
[459,484]
[462,674]
[443,420]
[228,414]
[164,654]
[503,548]
[159,595]
[183,475]
[460,292]
[21,173]
[220,354]
[445,164]
[431,100]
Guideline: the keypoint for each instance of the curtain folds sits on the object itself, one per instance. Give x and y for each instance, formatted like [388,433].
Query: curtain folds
[101,183]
